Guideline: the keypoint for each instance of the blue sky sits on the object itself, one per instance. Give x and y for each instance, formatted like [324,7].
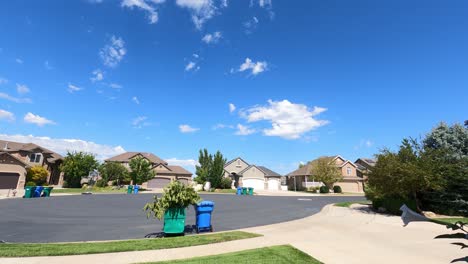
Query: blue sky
[275,82]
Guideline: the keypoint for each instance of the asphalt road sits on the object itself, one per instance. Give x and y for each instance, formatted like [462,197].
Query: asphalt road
[120,216]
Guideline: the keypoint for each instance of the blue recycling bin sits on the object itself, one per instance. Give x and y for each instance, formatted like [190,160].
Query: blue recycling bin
[135,189]
[38,191]
[239,191]
[203,211]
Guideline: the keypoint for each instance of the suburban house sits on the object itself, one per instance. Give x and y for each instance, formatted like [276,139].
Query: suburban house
[365,166]
[351,182]
[16,158]
[165,173]
[250,175]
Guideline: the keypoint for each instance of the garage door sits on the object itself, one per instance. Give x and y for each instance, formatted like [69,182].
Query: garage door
[257,184]
[352,187]
[158,182]
[184,181]
[273,184]
[8,180]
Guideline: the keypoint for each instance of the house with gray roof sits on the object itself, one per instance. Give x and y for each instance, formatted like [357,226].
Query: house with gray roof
[250,175]
[165,173]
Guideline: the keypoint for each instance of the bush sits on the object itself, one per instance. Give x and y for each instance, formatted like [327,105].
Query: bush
[337,189]
[37,174]
[101,183]
[226,183]
[324,189]
[65,184]
[392,205]
[30,183]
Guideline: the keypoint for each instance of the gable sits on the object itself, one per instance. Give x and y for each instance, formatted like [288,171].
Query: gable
[339,160]
[253,172]
[235,166]
[6,158]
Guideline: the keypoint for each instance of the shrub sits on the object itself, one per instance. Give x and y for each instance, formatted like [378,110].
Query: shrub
[324,189]
[392,204]
[337,189]
[30,183]
[37,174]
[65,184]
[101,183]
[175,195]
[226,183]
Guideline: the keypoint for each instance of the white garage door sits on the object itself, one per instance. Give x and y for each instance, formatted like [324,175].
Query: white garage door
[257,184]
[273,184]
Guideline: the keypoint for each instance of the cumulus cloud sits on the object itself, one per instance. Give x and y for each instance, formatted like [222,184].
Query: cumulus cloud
[115,86]
[288,120]
[19,61]
[254,67]
[14,99]
[192,66]
[37,120]
[244,130]
[201,10]
[22,88]
[251,25]
[212,38]
[187,129]
[7,116]
[62,146]
[232,108]
[146,5]
[140,122]
[3,81]
[188,164]
[221,126]
[98,75]
[73,88]
[113,52]
[135,100]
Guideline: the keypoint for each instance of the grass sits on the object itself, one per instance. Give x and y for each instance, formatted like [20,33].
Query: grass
[278,254]
[93,189]
[233,191]
[62,249]
[451,220]
[348,204]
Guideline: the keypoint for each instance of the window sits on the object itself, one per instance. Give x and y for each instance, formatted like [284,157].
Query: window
[35,157]
[348,171]
[238,163]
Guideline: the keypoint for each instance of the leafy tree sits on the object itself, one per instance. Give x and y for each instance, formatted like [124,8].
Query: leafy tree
[324,171]
[141,170]
[77,165]
[37,174]
[114,171]
[202,171]
[453,139]
[216,172]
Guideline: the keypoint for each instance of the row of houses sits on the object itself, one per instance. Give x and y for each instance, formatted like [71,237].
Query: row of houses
[16,158]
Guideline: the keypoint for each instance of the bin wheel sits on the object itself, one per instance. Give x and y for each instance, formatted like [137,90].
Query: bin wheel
[211,228]
[197,230]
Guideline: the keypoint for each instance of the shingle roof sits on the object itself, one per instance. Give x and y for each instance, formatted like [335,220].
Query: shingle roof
[9,155]
[179,170]
[11,146]
[268,172]
[307,168]
[231,161]
[127,156]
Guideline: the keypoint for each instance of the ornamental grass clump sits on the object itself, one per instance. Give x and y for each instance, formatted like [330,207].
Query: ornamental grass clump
[175,195]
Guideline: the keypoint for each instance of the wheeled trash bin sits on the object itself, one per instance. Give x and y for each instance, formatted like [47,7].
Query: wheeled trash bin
[203,211]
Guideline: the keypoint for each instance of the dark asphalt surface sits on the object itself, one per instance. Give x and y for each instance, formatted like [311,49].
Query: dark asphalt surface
[120,216]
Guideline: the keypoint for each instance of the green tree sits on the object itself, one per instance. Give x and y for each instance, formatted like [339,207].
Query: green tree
[114,171]
[37,174]
[324,171]
[216,171]
[203,169]
[452,139]
[77,165]
[141,170]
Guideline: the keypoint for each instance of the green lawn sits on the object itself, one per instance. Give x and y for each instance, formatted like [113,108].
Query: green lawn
[93,190]
[61,249]
[348,204]
[278,255]
[452,220]
[232,191]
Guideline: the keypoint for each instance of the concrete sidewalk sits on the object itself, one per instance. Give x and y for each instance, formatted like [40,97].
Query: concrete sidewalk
[336,235]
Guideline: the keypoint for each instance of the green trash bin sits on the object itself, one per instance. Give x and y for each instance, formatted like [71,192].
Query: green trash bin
[174,221]
[129,189]
[244,190]
[29,191]
[46,192]
[250,191]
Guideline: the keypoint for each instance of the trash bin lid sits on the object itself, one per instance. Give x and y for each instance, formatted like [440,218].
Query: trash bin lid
[206,203]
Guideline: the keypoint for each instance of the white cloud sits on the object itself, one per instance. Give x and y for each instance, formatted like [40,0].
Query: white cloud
[113,52]
[22,88]
[95,1]
[266,4]
[3,81]
[201,10]
[192,66]
[288,120]
[212,38]
[195,55]
[255,67]
[14,99]
[368,143]
[187,129]
[98,75]
[37,120]
[135,100]
[5,115]
[139,122]
[221,126]
[73,88]
[48,66]
[244,130]
[188,164]
[146,5]
[62,146]
[251,25]
[232,108]
[115,86]
[19,61]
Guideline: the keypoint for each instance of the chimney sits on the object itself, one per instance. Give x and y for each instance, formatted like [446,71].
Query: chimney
[6,146]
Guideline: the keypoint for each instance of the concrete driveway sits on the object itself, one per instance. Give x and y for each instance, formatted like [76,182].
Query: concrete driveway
[120,216]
